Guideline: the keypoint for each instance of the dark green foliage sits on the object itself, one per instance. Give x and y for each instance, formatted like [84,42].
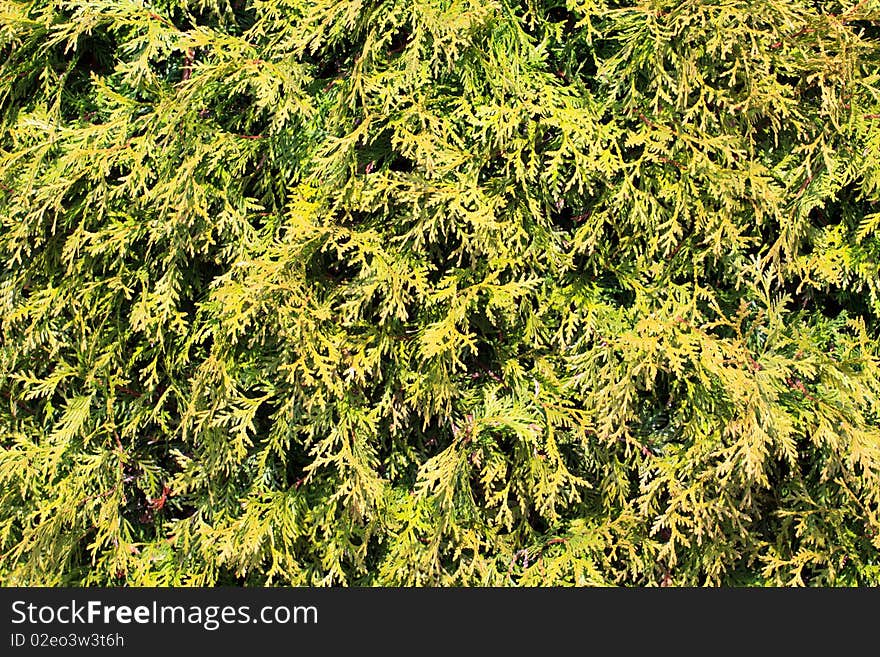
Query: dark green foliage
[447,292]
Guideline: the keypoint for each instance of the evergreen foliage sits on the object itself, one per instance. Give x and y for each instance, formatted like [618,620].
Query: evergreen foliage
[439,292]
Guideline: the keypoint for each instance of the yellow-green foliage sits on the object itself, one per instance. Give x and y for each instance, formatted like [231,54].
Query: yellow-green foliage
[448,292]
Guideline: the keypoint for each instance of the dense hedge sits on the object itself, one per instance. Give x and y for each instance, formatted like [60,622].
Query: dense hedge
[439,292]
